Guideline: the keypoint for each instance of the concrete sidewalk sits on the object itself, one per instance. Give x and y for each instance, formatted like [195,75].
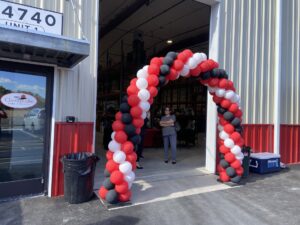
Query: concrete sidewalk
[268,199]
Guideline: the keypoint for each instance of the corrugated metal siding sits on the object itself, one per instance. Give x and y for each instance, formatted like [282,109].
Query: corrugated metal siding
[290,143]
[246,51]
[290,69]
[76,88]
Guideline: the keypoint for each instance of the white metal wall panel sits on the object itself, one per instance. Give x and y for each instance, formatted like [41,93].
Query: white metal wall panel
[76,88]
[290,69]
[246,51]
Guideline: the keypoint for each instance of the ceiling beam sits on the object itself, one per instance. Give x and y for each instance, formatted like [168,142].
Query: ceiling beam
[121,16]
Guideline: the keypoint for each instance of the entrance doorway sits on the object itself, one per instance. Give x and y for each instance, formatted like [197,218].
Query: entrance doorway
[25,93]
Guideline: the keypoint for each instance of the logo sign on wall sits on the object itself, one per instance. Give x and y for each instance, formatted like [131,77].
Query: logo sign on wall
[18,100]
[30,18]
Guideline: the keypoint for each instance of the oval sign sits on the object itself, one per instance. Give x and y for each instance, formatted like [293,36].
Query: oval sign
[18,100]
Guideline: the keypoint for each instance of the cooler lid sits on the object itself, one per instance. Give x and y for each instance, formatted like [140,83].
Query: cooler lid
[264,155]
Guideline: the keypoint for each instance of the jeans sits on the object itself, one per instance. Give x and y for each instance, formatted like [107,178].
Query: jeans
[172,139]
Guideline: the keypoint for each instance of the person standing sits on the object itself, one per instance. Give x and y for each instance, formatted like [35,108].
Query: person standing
[167,123]
[140,146]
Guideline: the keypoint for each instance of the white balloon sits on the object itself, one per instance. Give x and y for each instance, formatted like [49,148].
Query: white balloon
[236,98]
[192,63]
[141,83]
[236,149]
[113,135]
[129,184]
[239,156]
[229,94]
[144,94]
[142,74]
[145,68]
[212,89]
[130,177]
[144,115]
[114,146]
[185,70]
[229,143]
[197,56]
[220,92]
[223,135]
[203,56]
[119,156]
[145,106]
[125,167]
[220,127]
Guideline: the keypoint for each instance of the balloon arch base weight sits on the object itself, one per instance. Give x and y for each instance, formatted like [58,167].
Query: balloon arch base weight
[112,206]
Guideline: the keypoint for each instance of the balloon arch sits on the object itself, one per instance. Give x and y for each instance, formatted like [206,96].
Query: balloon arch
[141,91]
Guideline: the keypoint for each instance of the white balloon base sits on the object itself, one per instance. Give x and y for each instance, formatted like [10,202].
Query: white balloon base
[112,206]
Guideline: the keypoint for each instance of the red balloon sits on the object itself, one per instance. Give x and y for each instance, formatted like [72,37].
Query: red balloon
[182,57]
[233,108]
[222,121]
[152,80]
[225,103]
[153,69]
[121,136]
[117,177]
[156,60]
[122,188]
[132,89]
[111,166]
[150,100]
[136,111]
[102,192]
[204,66]
[138,122]
[213,82]
[224,177]
[229,129]
[138,130]
[223,83]
[153,91]
[132,157]
[241,142]
[133,165]
[235,164]
[133,100]
[172,75]
[118,125]
[118,116]
[231,85]
[127,147]
[196,72]
[235,136]
[238,114]
[178,65]
[109,155]
[125,197]
[239,171]
[212,64]
[133,81]
[223,149]
[220,169]
[217,99]
[229,157]
[188,52]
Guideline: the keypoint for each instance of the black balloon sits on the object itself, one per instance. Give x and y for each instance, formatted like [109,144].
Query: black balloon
[222,156]
[221,110]
[164,70]
[124,107]
[124,98]
[126,118]
[236,122]
[215,73]
[172,55]
[130,130]
[224,163]
[168,61]
[228,116]
[112,197]
[230,171]
[205,76]
[106,173]
[223,74]
[239,129]
[162,81]
[236,179]
[136,139]
[108,184]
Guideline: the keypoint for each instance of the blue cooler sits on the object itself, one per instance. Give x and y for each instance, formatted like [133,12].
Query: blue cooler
[264,162]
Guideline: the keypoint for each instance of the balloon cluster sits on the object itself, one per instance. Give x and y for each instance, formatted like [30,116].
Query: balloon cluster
[119,169]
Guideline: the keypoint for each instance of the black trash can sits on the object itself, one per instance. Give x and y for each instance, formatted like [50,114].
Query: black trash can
[79,171]
[246,161]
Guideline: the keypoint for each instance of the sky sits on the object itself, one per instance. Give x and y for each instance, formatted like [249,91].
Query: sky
[23,82]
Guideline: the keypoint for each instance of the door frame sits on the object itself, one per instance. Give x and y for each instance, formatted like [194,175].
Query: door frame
[48,72]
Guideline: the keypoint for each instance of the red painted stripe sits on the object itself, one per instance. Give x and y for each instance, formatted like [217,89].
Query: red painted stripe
[290,143]
[69,138]
[260,137]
